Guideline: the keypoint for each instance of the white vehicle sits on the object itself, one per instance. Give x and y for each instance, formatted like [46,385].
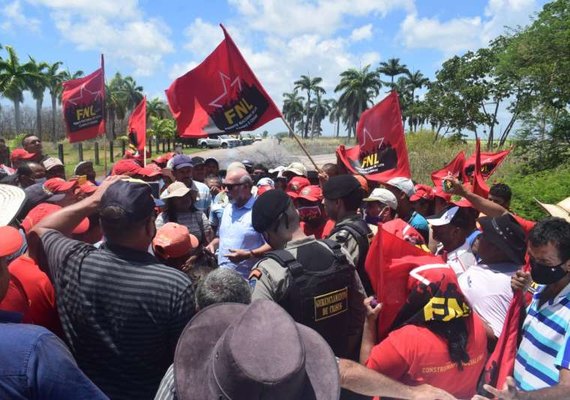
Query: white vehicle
[209,142]
[228,141]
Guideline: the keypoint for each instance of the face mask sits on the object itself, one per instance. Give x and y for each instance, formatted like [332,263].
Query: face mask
[40,180]
[373,220]
[545,274]
[309,213]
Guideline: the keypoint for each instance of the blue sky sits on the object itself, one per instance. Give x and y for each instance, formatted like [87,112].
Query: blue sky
[157,41]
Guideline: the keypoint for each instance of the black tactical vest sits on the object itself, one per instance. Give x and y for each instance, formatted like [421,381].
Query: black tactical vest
[318,295]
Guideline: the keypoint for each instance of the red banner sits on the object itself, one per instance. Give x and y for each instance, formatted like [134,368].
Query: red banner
[455,168]
[388,264]
[501,363]
[137,127]
[489,163]
[221,95]
[479,185]
[381,153]
[83,102]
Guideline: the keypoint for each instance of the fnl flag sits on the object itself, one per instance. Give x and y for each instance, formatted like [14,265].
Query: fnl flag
[137,127]
[221,95]
[489,163]
[84,106]
[455,168]
[381,153]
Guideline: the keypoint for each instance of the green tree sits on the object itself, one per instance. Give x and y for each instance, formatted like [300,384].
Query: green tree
[15,78]
[293,107]
[357,90]
[320,108]
[55,77]
[412,81]
[310,85]
[392,68]
[162,128]
[156,108]
[37,87]
[335,115]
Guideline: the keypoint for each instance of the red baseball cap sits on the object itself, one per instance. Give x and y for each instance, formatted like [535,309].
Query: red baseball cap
[150,170]
[11,240]
[42,210]
[463,202]
[422,192]
[311,193]
[87,187]
[296,184]
[126,167]
[21,154]
[58,185]
[173,241]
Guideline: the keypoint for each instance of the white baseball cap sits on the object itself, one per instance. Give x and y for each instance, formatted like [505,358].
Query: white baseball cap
[404,184]
[383,196]
[443,218]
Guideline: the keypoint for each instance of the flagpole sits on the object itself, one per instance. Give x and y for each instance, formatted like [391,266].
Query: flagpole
[105,151]
[144,149]
[300,143]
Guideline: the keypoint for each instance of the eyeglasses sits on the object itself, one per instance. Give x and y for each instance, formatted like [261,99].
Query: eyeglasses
[230,186]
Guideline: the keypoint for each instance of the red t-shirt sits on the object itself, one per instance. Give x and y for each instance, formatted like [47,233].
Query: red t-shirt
[414,355]
[32,294]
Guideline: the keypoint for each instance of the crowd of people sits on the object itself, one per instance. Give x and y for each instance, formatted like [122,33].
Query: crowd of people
[176,279]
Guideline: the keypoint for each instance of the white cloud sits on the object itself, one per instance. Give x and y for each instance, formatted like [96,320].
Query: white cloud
[362,33]
[14,17]
[449,37]
[116,28]
[459,34]
[179,69]
[295,17]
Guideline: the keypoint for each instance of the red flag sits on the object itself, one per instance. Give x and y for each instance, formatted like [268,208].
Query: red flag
[388,263]
[381,153]
[489,163]
[454,167]
[502,361]
[84,106]
[479,185]
[137,127]
[221,95]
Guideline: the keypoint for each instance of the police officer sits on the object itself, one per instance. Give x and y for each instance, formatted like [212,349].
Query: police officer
[343,197]
[314,280]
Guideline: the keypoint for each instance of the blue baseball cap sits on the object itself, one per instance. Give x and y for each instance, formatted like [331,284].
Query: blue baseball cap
[181,161]
[133,196]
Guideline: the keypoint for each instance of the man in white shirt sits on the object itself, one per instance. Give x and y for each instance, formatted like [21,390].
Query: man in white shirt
[451,228]
[487,286]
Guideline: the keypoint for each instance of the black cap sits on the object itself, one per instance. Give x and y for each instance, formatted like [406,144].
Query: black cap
[267,208]
[506,234]
[133,196]
[197,160]
[211,159]
[340,186]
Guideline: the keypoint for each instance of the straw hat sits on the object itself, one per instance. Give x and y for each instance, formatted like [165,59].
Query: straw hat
[561,209]
[11,200]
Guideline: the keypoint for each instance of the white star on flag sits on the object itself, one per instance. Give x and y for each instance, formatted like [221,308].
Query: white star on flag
[368,136]
[225,79]
[75,100]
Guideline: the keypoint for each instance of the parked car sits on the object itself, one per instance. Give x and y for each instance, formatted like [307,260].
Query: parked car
[246,139]
[228,141]
[210,142]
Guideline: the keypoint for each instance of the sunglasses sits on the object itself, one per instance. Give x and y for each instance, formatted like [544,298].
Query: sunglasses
[230,186]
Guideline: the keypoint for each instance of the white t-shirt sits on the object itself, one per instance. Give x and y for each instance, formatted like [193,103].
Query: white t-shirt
[461,259]
[488,291]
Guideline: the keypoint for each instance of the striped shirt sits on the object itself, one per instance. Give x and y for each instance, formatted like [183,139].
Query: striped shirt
[196,222]
[122,312]
[545,346]
[167,389]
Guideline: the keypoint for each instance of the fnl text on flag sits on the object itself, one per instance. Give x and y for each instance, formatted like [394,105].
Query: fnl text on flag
[84,106]
[381,153]
[221,95]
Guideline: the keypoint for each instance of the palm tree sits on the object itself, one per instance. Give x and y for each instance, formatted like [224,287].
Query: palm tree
[310,85]
[156,108]
[358,88]
[414,80]
[392,68]
[14,79]
[55,78]
[335,115]
[133,93]
[38,86]
[122,95]
[320,108]
[293,107]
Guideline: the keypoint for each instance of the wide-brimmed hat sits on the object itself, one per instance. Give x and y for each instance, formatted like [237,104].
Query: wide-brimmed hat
[175,189]
[239,352]
[297,168]
[560,210]
[11,201]
[507,235]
